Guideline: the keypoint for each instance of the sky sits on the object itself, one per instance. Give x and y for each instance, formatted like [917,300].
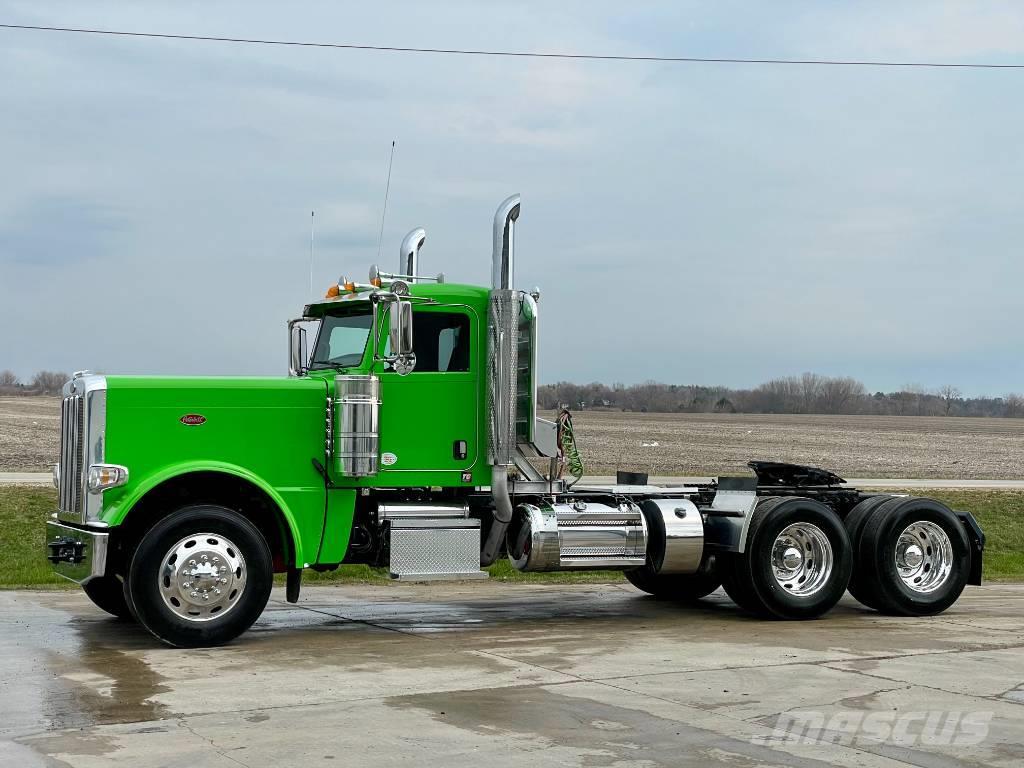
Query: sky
[686,223]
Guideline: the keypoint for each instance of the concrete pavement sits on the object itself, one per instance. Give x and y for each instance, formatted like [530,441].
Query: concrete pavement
[515,675]
[44,478]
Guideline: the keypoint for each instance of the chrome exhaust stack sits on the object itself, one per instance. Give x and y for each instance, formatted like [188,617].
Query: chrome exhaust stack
[409,253]
[503,253]
[503,314]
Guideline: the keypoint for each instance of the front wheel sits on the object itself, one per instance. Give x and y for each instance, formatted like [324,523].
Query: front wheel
[200,577]
[107,592]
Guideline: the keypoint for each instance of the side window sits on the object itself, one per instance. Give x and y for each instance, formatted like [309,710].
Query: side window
[440,341]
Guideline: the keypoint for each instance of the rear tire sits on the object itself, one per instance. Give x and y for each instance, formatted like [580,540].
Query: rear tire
[200,577]
[797,562]
[915,556]
[684,587]
[107,593]
[861,587]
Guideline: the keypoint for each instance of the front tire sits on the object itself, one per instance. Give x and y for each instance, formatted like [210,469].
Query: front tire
[200,577]
[107,593]
[797,562]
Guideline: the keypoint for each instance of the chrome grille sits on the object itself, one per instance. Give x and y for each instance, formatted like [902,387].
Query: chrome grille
[72,456]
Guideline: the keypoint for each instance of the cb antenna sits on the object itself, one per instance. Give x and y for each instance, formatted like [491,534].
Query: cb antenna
[384,213]
[311,223]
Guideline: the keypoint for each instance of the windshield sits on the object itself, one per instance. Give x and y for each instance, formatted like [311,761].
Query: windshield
[342,340]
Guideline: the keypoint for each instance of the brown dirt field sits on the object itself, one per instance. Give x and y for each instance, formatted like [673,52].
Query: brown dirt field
[29,433]
[691,444]
[851,446]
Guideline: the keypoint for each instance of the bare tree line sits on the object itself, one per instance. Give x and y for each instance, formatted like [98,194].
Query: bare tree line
[807,393]
[43,383]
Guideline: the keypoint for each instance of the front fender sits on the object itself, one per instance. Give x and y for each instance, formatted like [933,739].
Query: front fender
[115,511]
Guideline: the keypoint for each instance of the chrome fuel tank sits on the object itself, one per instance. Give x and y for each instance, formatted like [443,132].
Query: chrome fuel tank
[577,536]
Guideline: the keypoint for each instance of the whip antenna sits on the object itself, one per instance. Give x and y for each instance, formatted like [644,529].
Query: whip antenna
[311,222]
[384,213]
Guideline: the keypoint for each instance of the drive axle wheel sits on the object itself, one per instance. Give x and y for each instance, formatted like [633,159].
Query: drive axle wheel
[107,592]
[200,577]
[860,582]
[797,561]
[914,557]
[684,587]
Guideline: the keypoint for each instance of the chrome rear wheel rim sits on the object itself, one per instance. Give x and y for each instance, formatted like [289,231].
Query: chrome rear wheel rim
[924,556]
[202,577]
[802,559]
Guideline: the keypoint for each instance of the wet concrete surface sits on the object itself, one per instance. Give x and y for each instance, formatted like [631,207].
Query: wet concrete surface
[517,675]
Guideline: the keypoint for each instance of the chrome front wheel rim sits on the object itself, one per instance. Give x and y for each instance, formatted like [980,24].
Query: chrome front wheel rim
[802,559]
[924,556]
[202,577]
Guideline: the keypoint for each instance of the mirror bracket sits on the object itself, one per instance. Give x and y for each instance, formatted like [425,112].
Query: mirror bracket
[402,358]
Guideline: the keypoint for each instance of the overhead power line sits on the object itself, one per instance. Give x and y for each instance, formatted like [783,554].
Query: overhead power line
[522,54]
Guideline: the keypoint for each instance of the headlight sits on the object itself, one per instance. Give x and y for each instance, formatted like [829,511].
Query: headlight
[104,476]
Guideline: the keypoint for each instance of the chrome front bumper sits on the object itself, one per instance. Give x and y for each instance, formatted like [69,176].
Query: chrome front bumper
[76,554]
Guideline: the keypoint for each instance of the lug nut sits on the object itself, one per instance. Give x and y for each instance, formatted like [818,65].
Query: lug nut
[193,593]
[203,557]
[192,562]
[216,591]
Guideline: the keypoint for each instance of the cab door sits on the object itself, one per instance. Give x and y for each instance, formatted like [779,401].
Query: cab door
[429,418]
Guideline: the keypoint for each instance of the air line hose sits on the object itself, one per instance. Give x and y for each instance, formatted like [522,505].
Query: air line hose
[567,443]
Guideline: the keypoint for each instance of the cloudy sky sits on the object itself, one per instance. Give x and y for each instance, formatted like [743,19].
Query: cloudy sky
[690,223]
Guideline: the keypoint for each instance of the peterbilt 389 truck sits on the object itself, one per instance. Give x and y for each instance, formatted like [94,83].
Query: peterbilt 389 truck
[407,436]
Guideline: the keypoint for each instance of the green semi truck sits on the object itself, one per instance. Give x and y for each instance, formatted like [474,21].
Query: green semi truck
[407,436]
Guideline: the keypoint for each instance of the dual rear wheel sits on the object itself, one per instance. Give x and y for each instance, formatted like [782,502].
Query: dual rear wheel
[912,555]
[797,560]
[900,555]
[796,564]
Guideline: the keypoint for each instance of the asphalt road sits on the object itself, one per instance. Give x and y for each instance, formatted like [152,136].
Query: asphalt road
[465,675]
[44,478]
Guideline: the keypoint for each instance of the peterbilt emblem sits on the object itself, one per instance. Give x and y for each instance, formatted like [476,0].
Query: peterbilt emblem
[192,419]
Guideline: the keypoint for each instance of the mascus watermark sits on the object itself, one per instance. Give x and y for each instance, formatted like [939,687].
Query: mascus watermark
[902,728]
